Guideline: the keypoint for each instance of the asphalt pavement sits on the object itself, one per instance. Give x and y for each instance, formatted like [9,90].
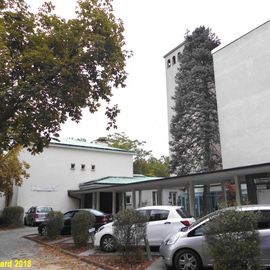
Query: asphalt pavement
[14,246]
[27,254]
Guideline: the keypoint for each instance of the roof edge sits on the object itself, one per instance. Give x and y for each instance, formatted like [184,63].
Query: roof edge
[221,47]
[93,147]
[174,49]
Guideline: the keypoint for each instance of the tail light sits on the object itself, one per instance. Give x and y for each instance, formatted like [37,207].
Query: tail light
[104,219]
[185,222]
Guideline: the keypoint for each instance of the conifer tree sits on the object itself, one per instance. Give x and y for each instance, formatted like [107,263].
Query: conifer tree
[194,126]
[195,144]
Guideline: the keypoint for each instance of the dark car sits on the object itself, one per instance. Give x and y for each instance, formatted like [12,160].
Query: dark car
[36,215]
[101,219]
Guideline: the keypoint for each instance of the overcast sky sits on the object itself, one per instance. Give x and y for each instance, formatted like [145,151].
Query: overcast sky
[153,28]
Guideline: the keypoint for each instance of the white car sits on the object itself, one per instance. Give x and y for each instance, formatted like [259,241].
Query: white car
[162,221]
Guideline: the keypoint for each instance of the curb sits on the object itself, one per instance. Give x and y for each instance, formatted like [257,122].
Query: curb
[86,260]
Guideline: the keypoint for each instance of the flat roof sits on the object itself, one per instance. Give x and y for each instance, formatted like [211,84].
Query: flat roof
[182,181]
[87,145]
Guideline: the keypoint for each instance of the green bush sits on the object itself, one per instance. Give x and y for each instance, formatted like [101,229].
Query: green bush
[80,224]
[129,231]
[54,224]
[233,240]
[12,216]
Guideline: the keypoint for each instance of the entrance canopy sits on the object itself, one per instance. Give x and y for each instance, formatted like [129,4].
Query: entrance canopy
[139,183]
[145,183]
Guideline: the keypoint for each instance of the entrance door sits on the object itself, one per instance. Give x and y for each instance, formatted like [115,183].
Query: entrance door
[88,200]
[106,202]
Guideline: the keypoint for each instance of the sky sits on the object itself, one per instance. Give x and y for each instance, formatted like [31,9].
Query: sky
[153,28]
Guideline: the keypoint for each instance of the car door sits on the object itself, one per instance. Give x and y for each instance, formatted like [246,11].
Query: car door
[67,222]
[158,226]
[31,215]
[197,241]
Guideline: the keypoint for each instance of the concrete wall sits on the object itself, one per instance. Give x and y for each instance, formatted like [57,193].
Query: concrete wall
[171,71]
[51,174]
[242,74]
[2,202]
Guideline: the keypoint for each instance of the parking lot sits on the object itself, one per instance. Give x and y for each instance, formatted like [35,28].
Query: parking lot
[27,254]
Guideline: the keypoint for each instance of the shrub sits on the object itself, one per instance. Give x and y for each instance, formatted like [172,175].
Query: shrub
[129,231]
[54,224]
[233,240]
[12,216]
[80,224]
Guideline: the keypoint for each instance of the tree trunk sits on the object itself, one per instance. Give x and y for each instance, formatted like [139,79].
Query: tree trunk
[206,199]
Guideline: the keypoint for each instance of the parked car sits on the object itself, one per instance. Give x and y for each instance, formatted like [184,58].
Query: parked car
[187,249]
[101,219]
[36,215]
[162,220]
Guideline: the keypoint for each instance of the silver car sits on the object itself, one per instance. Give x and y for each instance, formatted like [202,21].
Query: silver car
[187,249]
[36,215]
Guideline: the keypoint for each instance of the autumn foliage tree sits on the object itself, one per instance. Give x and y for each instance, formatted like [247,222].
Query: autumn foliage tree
[52,68]
[12,170]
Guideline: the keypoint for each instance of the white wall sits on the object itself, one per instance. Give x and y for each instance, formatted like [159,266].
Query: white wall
[242,74]
[51,174]
[147,199]
[2,202]
[170,80]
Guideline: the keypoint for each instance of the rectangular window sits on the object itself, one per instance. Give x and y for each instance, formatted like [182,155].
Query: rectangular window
[172,198]
[168,63]
[158,214]
[173,60]
[72,166]
[128,199]
[154,198]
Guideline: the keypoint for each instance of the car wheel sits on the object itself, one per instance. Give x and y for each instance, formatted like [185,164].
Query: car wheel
[44,231]
[187,259]
[107,243]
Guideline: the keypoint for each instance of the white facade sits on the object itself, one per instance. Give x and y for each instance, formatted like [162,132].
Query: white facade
[2,203]
[150,197]
[171,67]
[242,75]
[52,173]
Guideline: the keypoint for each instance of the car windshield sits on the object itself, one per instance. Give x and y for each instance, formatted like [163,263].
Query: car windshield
[44,209]
[198,221]
[183,213]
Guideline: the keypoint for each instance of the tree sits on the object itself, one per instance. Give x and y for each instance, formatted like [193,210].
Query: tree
[12,170]
[144,162]
[52,68]
[195,144]
[153,166]
[129,231]
[194,126]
